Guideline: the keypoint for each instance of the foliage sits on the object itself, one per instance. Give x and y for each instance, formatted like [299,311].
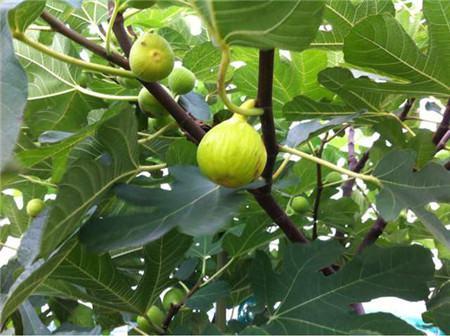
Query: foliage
[344,91]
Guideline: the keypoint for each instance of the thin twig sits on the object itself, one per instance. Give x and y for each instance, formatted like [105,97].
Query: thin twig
[406,108]
[443,126]
[319,187]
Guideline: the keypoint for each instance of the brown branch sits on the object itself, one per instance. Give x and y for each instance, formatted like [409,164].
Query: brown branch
[372,235]
[443,141]
[406,108]
[119,31]
[271,207]
[443,126]
[61,28]
[264,100]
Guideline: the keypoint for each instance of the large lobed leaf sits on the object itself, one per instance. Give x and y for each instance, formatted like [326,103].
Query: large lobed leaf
[108,158]
[403,188]
[311,303]
[287,24]
[194,204]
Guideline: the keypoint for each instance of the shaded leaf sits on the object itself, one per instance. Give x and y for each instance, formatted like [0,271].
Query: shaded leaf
[206,296]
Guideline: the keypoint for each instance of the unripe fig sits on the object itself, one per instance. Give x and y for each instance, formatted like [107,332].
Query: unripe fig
[232,153]
[150,105]
[155,315]
[34,207]
[158,123]
[173,296]
[151,57]
[139,4]
[300,204]
[181,81]
[333,177]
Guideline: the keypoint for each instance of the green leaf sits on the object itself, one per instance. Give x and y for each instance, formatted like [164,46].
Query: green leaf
[110,158]
[100,277]
[405,189]
[343,15]
[204,298]
[24,14]
[203,60]
[291,25]
[303,290]
[161,258]
[195,204]
[181,153]
[439,308]
[380,43]
[13,90]
[29,280]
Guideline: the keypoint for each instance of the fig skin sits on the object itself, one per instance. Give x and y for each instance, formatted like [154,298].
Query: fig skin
[151,57]
[34,207]
[232,154]
[155,315]
[150,105]
[173,296]
[181,81]
[300,204]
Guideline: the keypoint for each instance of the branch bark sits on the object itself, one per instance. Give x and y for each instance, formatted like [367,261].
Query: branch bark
[443,126]
[408,105]
[319,188]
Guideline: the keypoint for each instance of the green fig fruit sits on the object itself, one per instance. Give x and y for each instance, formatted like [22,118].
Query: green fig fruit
[173,296]
[151,57]
[181,81]
[34,207]
[150,105]
[139,4]
[158,123]
[155,315]
[300,204]
[232,153]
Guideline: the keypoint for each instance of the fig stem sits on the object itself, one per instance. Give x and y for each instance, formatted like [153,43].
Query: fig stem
[110,26]
[367,178]
[281,167]
[157,133]
[105,96]
[72,60]
[221,87]
[152,167]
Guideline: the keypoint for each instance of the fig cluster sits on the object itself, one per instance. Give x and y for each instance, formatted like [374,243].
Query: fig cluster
[153,321]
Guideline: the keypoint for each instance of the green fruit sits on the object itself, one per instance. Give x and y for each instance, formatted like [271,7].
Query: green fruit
[158,123]
[173,296]
[129,83]
[151,58]
[155,315]
[300,204]
[150,105]
[333,177]
[232,153]
[83,79]
[139,4]
[34,207]
[181,81]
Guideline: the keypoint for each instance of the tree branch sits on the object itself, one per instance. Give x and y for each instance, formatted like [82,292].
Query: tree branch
[375,231]
[406,108]
[319,187]
[443,126]
[264,100]
[119,30]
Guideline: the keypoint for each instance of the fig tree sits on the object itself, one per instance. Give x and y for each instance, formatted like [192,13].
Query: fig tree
[34,207]
[181,81]
[173,296]
[151,57]
[300,204]
[150,105]
[139,4]
[232,153]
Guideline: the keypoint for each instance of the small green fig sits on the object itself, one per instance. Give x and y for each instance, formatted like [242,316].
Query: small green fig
[34,207]
[181,81]
[151,57]
[150,105]
[232,153]
[300,204]
[173,296]
[158,123]
[155,315]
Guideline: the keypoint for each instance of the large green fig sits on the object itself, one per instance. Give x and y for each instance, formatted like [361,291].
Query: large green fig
[181,81]
[150,105]
[151,57]
[232,154]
